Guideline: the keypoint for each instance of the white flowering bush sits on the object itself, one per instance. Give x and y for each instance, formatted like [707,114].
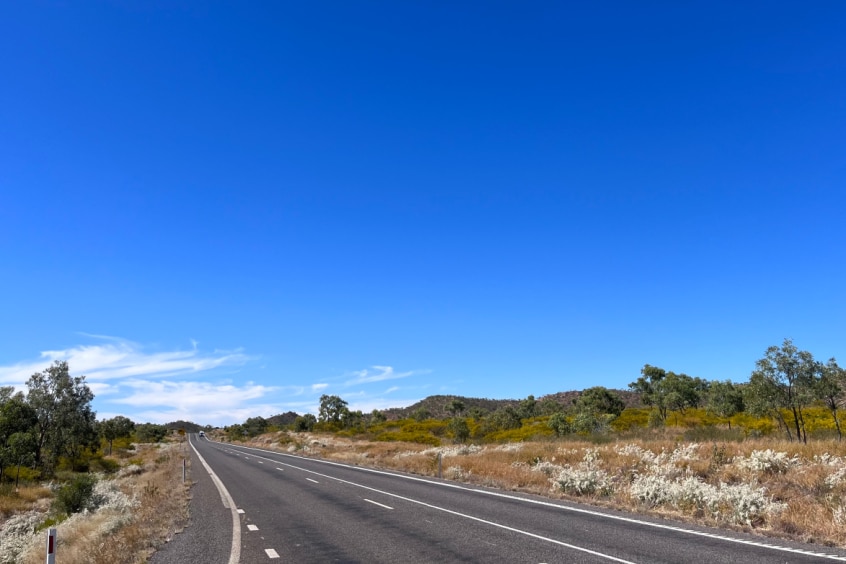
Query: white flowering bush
[107,495]
[16,535]
[130,470]
[827,459]
[739,503]
[836,478]
[547,468]
[767,462]
[585,479]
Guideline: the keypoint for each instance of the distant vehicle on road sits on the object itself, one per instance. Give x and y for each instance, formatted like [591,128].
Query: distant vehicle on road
[202,434]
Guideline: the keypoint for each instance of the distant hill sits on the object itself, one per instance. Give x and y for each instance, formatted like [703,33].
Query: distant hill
[282,419]
[189,426]
[630,399]
[436,405]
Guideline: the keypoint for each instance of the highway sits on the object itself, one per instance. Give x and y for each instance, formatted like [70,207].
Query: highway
[251,506]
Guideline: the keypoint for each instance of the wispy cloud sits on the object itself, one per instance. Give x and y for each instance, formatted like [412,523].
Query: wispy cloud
[379,374]
[118,358]
[192,384]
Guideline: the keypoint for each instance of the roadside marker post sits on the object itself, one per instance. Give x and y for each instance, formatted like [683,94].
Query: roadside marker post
[51,546]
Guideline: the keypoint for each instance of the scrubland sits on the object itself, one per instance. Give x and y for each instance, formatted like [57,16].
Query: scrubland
[125,515]
[764,486]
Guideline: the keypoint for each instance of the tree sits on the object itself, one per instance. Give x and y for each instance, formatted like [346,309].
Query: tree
[150,432]
[117,427]
[421,414]
[550,406]
[62,404]
[377,416]
[332,409]
[724,400]
[595,409]
[304,423]
[668,391]
[459,429]
[455,407]
[352,419]
[831,389]
[255,426]
[600,400]
[785,379]
[528,407]
[17,423]
[559,423]
[505,418]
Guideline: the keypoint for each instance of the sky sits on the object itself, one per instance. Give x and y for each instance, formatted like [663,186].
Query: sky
[220,210]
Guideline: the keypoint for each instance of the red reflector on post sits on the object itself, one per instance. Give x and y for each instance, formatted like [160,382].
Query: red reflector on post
[51,546]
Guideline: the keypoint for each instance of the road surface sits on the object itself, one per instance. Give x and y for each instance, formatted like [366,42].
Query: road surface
[283,508]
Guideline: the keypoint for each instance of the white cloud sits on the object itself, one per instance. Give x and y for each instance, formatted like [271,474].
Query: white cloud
[120,358]
[382,373]
[162,386]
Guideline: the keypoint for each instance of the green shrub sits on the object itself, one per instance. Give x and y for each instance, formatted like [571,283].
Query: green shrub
[105,465]
[10,473]
[74,496]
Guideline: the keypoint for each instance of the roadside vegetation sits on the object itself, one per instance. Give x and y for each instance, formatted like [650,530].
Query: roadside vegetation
[113,489]
[764,456]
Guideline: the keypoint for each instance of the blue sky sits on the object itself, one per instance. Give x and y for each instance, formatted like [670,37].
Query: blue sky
[225,210]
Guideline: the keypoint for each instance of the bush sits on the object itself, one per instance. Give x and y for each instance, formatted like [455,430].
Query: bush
[74,496]
[27,474]
[105,465]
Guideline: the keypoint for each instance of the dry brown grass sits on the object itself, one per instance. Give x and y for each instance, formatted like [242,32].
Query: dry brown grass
[814,511]
[130,535]
[24,498]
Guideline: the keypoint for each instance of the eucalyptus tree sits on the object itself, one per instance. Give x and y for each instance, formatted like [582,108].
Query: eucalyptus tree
[455,407]
[17,425]
[668,391]
[117,427]
[65,420]
[831,389]
[724,400]
[332,409]
[784,381]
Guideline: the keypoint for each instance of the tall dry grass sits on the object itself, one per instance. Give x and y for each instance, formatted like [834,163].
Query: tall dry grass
[143,506]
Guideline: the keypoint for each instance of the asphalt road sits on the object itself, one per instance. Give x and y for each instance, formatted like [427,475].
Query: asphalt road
[292,509]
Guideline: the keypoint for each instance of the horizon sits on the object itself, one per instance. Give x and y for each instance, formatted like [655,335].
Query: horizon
[218,212]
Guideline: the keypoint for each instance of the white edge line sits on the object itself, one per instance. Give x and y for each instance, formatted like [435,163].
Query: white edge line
[544,503]
[235,550]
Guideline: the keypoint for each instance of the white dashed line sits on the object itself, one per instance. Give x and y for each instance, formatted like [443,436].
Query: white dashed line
[310,480]
[240,511]
[252,528]
[377,503]
[271,553]
[281,470]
